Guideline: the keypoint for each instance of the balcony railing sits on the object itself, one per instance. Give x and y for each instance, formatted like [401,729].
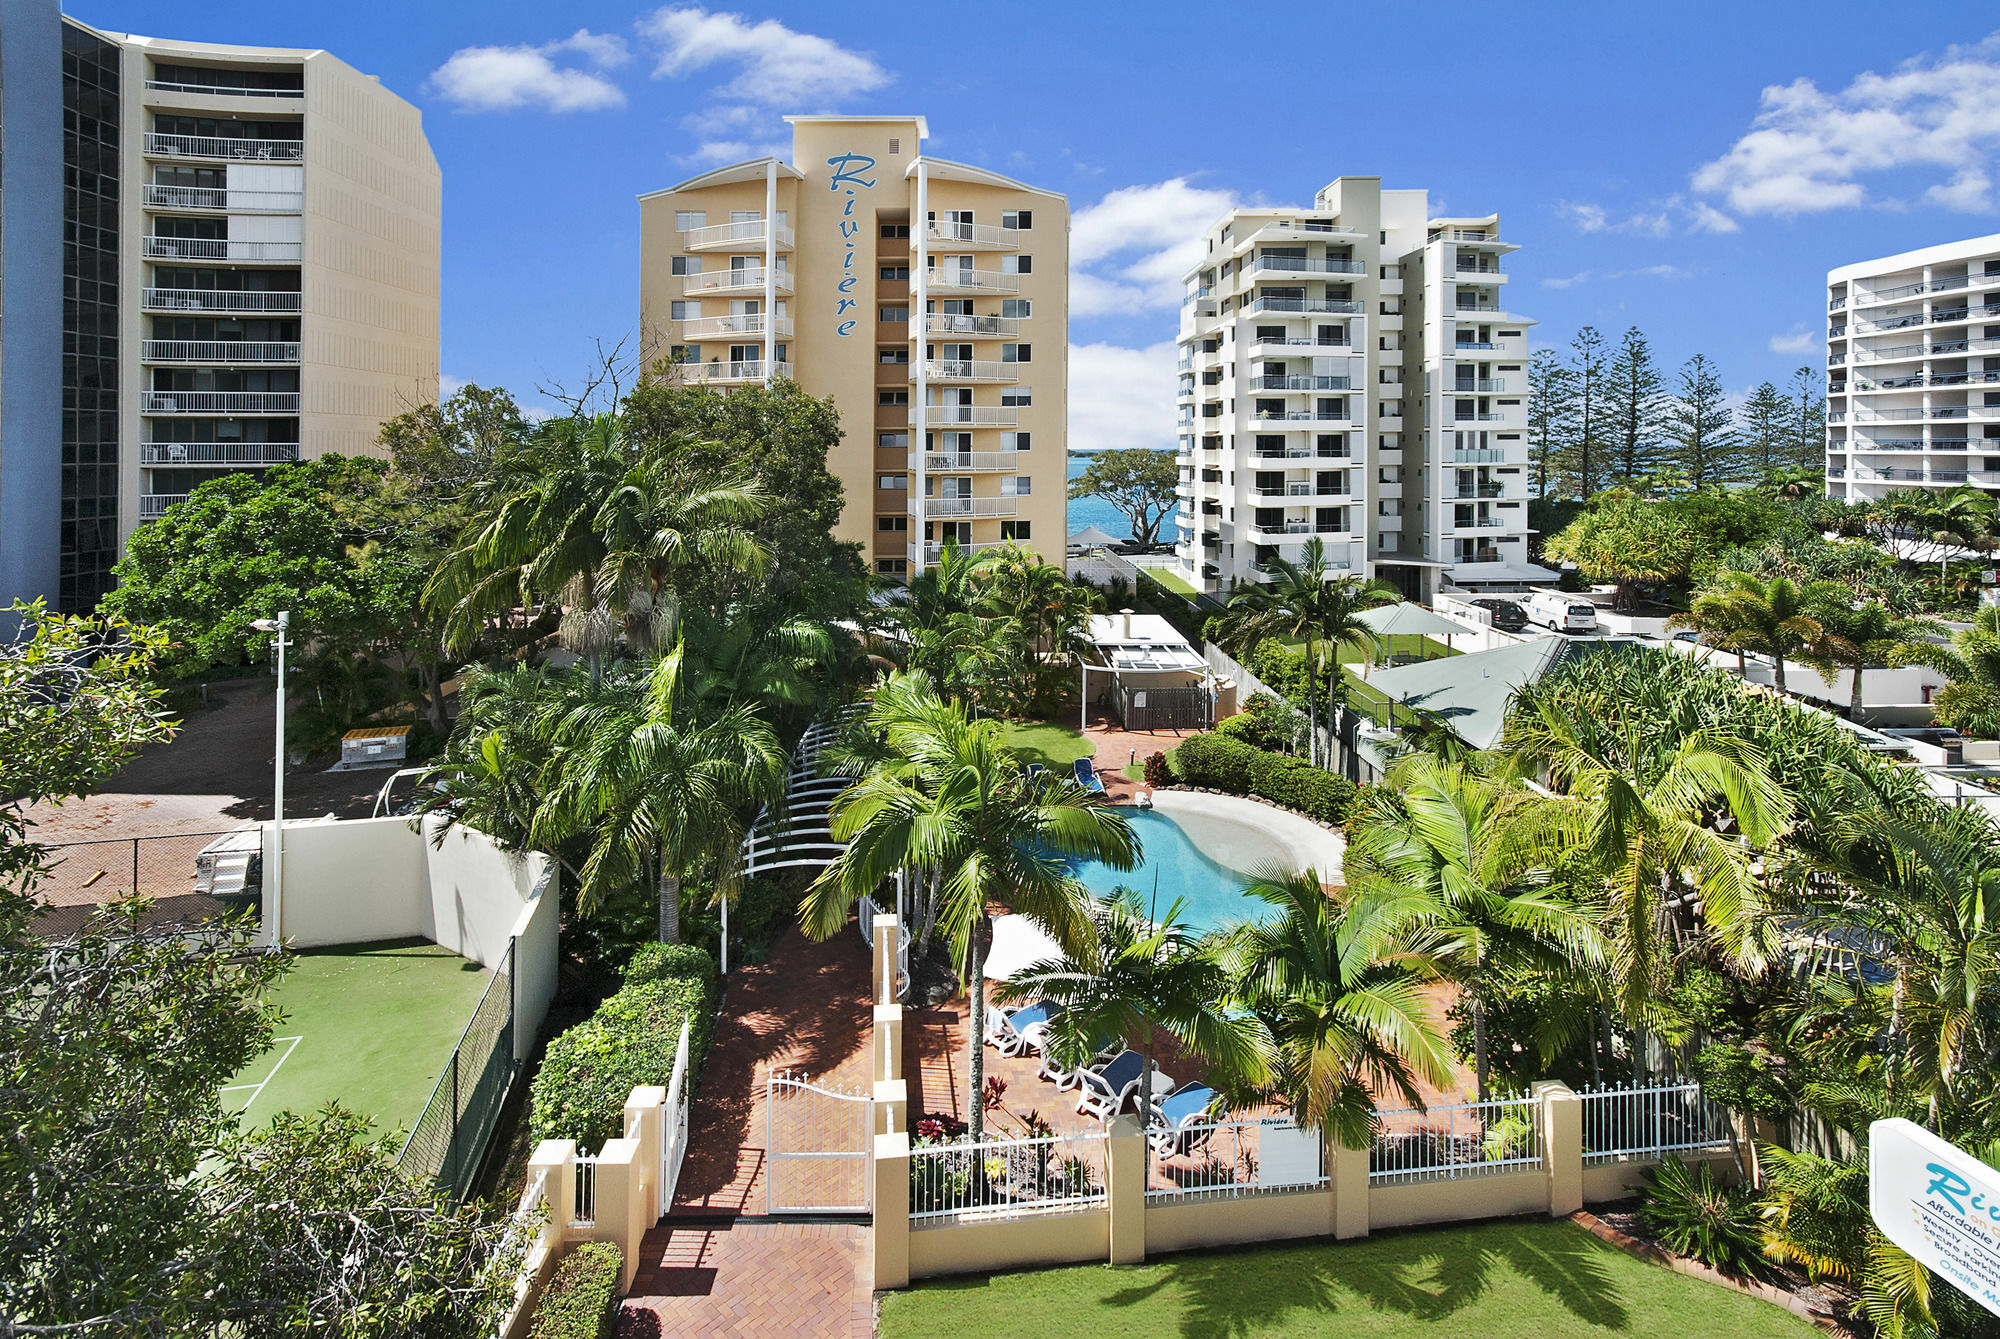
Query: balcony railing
[1300,416]
[722,235]
[713,327]
[1271,382]
[1307,228]
[1302,491]
[218,248]
[220,402]
[967,416]
[1492,385]
[1469,266]
[975,327]
[1948,285]
[968,369]
[1305,265]
[152,506]
[1472,235]
[224,351]
[1321,306]
[1480,490]
[719,372]
[233,150]
[966,278]
[223,91]
[931,552]
[1474,344]
[1835,304]
[745,279]
[983,235]
[1477,457]
[218,453]
[1478,307]
[935,508]
[217,198]
[1277,346]
[220,300]
[971,462]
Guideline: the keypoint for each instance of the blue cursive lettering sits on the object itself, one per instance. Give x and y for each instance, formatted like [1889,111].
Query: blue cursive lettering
[847,284]
[846,305]
[1949,1184]
[846,328]
[849,167]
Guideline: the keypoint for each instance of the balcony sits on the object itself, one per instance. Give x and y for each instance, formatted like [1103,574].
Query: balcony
[1304,265]
[1469,265]
[972,236]
[1299,383]
[940,508]
[152,506]
[1204,307]
[222,90]
[1463,307]
[967,416]
[227,150]
[1480,490]
[1306,490]
[218,199]
[974,462]
[966,279]
[928,553]
[733,236]
[1302,228]
[1878,415]
[1476,345]
[964,369]
[225,352]
[744,279]
[218,453]
[1299,418]
[1835,304]
[1478,418]
[1271,346]
[1477,457]
[219,402]
[219,300]
[218,248]
[1468,235]
[971,327]
[723,374]
[1307,306]
[1490,386]
[717,327]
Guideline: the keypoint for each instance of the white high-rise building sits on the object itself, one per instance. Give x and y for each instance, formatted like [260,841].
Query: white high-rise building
[1352,371]
[1913,370]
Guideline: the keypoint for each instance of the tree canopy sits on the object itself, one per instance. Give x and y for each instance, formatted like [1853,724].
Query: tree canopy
[1139,482]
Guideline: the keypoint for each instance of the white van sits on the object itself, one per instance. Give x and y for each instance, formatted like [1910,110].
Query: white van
[1564,613]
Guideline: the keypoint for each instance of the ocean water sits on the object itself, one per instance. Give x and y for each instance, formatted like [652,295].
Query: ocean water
[1094,510]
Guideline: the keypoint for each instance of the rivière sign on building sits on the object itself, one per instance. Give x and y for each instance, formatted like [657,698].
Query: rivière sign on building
[1940,1204]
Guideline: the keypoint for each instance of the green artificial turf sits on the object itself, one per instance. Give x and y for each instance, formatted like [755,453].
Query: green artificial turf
[1053,746]
[1171,581]
[367,1025]
[1509,1280]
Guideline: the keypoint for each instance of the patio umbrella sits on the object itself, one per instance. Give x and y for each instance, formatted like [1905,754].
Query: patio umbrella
[1018,943]
[1090,537]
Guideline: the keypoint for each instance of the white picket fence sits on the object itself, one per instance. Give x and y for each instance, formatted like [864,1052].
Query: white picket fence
[1226,1159]
[1006,1178]
[1465,1139]
[1645,1122]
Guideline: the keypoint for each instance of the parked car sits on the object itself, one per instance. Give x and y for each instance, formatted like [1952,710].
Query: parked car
[1507,616]
[1564,613]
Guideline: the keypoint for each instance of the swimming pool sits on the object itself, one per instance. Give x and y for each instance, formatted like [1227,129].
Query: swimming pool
[1173,867]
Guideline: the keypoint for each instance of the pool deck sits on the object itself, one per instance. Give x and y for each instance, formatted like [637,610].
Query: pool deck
[1216,824]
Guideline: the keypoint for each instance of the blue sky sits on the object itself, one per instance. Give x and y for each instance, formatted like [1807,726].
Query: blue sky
[1694,171]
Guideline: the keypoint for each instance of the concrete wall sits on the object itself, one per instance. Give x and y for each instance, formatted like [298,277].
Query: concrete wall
[1010,1243]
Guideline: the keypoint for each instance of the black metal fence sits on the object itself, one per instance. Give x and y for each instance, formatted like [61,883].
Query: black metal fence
[449,1139]
[1177,708]
[191,876]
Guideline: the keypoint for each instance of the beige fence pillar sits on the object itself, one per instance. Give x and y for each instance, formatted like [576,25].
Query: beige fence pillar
[1347,1174]
[892,1210]
[888,930]
[643,1124]
[1562,1146]
[1125,1190]
[892,1107]
[621,1202]
[557,1157]
[888,1042]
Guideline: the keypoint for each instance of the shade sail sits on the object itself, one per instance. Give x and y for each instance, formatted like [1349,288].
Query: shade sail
[1090,537]
[1406,619]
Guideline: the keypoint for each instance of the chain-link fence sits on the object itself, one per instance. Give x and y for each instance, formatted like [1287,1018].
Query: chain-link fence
[191,876]
[449,1139]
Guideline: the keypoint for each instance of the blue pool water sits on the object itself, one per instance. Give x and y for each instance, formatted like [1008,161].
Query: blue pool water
[1173,865]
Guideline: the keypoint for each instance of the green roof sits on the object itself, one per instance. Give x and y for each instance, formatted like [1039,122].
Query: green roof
[1470,693]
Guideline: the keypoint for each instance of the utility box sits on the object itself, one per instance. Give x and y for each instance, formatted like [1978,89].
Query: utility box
[388,743]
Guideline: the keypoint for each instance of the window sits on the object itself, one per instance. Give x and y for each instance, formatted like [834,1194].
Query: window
[1019,309]
[893,441]
[895,230]
[1017,353]
[892,397]
[1014,441]
[1016,485]
[892,525]
[895,146]
[895,315]
[891,567]
[895,354]
[1017,264]
[687,264]
[687,220]
[1017,218]
[895,274]
[683,311]
[892,481]
[1013,397]
[1015,530]
[684,353]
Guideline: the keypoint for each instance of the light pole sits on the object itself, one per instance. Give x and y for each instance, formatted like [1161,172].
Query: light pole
[277,627]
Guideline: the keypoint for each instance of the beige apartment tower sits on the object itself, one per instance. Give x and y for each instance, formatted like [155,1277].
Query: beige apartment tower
[928,298]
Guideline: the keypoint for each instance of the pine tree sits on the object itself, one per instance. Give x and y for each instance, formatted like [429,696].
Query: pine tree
[1633,397]
[1699,424]
[1767,429]
[1808,428]
[1587,437]
[1551,408]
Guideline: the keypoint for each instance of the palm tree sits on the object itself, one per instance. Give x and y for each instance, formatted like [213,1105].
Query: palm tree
[1336,983]
[657,781]
[1935,523]
[1144,974]
[1747,613]
[1472,850]
[1308,601]
[1970,699]
[950,798]
[1856,636]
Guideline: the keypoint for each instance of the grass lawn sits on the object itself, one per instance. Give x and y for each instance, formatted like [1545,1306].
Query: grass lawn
[1510,1280]
[1053,746]
[370,1025]
[1137,771]
[1171,581]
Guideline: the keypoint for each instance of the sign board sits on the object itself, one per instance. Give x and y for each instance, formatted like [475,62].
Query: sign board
[1940,1204]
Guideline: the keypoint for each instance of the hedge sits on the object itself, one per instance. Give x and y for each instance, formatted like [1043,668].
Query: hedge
[581,1299]
[1217,763]
[579,1092]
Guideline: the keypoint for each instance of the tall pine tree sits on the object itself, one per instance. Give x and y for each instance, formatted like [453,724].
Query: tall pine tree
[1767,429]
[1551,409]
[1699,424]
[1587,437]
[1808,428]
[1633,396]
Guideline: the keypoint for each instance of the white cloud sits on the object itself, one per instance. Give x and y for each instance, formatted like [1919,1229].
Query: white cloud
[1587,218]
[507,78]
[1809,150]
[1139,241]
[1707,218]
[1642,272]
[1801,340]
[1654,222]
[1121,397]
[1566,281]
[449,385]
[777,66]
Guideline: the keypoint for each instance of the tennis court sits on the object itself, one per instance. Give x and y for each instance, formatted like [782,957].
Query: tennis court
[367,1025]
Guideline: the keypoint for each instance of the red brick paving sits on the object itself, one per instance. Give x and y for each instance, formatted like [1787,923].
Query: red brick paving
[809,1280]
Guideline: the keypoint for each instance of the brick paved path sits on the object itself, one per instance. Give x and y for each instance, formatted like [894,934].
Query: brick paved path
[808,1280]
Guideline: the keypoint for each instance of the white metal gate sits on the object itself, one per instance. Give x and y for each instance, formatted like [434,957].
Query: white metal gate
[816,1141]
[674,1124]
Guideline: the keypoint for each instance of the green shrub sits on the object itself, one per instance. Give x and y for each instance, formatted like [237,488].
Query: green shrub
[1698,1216]
[581,1299]
[588,1072]
[1217,763]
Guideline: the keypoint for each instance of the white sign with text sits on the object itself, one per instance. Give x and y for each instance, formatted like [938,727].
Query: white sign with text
[1940,1204]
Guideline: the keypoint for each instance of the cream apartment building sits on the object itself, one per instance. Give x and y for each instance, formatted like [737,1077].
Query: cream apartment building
[929,298]
[1913,371]
[239,261]
[1352,371]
